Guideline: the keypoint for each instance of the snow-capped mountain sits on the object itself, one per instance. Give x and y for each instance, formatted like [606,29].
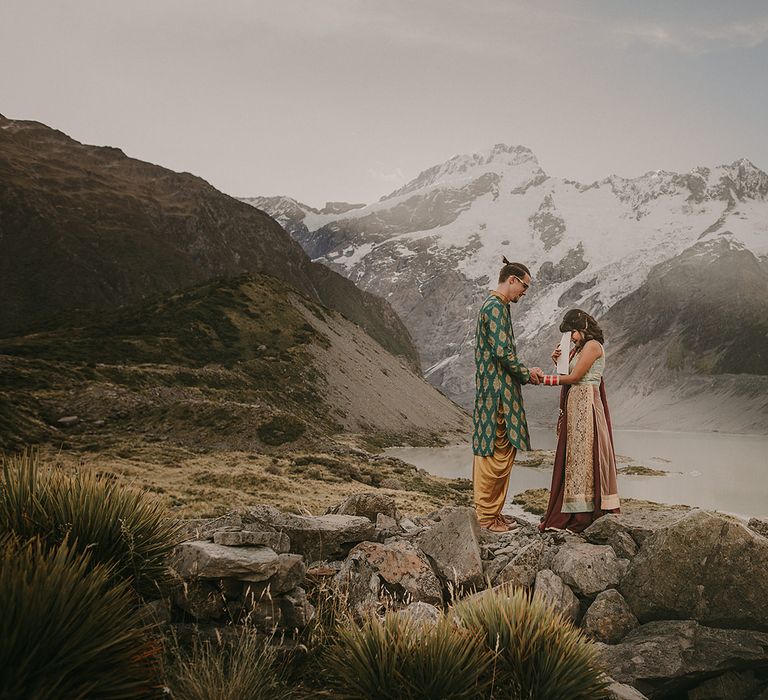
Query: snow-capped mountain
[433,249]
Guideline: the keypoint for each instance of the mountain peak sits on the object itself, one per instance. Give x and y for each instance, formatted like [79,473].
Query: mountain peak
[463,168]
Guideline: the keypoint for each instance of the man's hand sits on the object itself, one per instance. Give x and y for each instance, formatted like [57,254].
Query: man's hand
[536,375]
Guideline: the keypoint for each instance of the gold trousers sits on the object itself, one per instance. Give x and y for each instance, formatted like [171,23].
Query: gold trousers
[490,475]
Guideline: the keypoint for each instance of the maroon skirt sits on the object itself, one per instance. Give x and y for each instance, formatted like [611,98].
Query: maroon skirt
[555,517]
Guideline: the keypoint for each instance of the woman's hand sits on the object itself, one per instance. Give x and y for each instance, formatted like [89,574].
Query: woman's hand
[556,354]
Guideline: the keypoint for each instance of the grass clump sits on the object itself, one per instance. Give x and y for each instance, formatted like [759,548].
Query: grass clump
[398,659]
[539,654]
[241,668]
[65,630]
[121,527]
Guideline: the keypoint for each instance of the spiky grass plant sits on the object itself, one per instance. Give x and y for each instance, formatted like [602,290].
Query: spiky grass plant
[66,631]
[243,668]
[540,655]
[119,526]
[398,659]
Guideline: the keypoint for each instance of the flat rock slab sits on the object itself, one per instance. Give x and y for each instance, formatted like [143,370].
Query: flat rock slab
[703,567]
[277,541]
[669,656]
[207,560]
[315,537]
[453,545]
[588,568]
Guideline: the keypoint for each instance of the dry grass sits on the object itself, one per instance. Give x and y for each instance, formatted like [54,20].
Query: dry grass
[207,484]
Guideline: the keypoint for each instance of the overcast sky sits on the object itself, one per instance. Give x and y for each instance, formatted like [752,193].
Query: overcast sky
[348,99]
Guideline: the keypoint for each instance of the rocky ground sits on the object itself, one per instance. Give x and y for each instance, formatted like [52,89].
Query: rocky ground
[675,598]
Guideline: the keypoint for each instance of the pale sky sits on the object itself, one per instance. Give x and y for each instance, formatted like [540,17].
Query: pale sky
[349,99]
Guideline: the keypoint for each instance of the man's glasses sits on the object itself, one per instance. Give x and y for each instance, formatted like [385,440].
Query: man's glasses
[525,285]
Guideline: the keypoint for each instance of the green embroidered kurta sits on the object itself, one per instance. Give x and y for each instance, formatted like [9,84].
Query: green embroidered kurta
[498,376]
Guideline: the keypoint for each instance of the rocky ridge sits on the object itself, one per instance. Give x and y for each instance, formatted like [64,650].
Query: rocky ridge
[378,559]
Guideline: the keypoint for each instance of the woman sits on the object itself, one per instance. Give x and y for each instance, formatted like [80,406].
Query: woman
[584,479]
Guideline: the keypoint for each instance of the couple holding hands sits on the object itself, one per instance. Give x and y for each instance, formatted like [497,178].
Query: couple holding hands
[584,477]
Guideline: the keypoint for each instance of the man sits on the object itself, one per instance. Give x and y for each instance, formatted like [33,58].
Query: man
[500,428]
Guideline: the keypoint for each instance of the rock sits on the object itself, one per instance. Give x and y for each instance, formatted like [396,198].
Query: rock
[611,530]
[492,567]
[386,527]
[420,613]
[408,525]
[367,505]
[203,528]
[290,611]
[703,567]
[668,656]
[290,573]
[398,569]
[276,541]
[67,421]
[207,560]
[392,483]
[452,544]
[759,525]
[521,571]
[641,524]
[609,618]
[201,599]
[588,568]
[621,691]
[315,537]
[549,586]
[731,686]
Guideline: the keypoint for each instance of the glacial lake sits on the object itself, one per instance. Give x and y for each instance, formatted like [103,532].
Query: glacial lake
[715,471]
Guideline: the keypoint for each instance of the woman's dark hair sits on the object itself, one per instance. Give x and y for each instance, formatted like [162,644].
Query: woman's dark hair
[512,268]
[578,320]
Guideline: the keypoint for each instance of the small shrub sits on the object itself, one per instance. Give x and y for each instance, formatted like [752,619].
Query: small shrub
[540,655]
[65,632]
[397,659]
[122,527]
[244,668]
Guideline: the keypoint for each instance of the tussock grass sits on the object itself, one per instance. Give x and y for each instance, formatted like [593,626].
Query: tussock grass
[66,631]
[121,527]
[539,654]
[245,667]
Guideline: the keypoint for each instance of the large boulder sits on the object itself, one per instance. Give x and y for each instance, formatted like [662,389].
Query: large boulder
[453,545]
[588,568]
[207,560]
[609,618]
[643,523]
[670,656]
[703,567]
[396,569]
[315,537]
[277,541]
[549,586]
[368,505]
